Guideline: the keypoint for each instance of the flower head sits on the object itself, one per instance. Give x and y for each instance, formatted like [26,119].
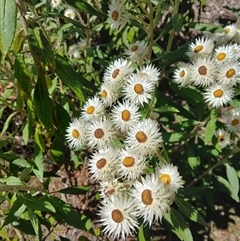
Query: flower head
[56,3]
[100,133]
[137,52]
[224,54]
[201,48]
[76,133]
[152,73]
[223,137]
[117,14]
[218,95]
[70,13]
[203,71]
[93,109]
[144,137]
[181,75]
[124,115]
[169,176]
[118,216]
[152,199]
[232,117]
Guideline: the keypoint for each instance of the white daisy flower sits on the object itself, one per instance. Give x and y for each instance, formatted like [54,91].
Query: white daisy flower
[151,198]
[93,109]
[118,216]
[124,115]
[112,187]
[137,52]
[130,164]
[181,75]
[109,94]
[144,137]
[102,164]
[169,176]
[70,13]
[203,71]
[73,52]
[223,54]
[100,133]
[218,95]
[138,89]
[151,72]
[236,50]
[76,133]
[223,137]
[56,3]
[230,31]
[233,119]
[117,14]
[117,73]
[202,47]
[229,74]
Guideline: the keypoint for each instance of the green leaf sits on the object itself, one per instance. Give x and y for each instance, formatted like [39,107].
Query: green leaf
[16,211]
[226,187]
[7,123]
[211,127]
[18,41]
[38,160]
[143,233]
[24,226]
[36,203]
[190,212]
[172,137]
[66,213]
[22,75]
[209,27]
[232,178]
[75,190]
[193,159]
[11,180]
[38,138]
[47,50]
[62,118]
[166,109]
[178,225]
[72,79]
[85,7]
[58,150]
[21,162]
[43,103]
[36,224]
[8,16]
[177,22]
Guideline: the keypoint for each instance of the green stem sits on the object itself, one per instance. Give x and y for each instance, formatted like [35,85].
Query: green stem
[210,169]
[15,188]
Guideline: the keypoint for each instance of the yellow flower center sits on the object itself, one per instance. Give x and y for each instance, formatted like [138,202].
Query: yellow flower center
[117,216]
[218,93]
[134,48]
[165,178]
[138,88]
[202,70]
[227,30]
[220,138]
[90,109]
[147,197]
[128,161]
[69,15]
[115,73]
[104,93]
[101,163]
[230,73]
[182,73]
[141,137]
[198,48]
[221,56]
[235,122]
[75,133]
[99,133]
[126,115]
[115,15]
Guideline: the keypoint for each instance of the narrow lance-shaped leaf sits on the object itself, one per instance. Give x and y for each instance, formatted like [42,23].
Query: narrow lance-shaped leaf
[233,178]
[43,103]
[8,15]
[211,127]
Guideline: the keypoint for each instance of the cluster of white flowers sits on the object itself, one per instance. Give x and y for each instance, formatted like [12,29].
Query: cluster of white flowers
[214,67]
[122,143]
